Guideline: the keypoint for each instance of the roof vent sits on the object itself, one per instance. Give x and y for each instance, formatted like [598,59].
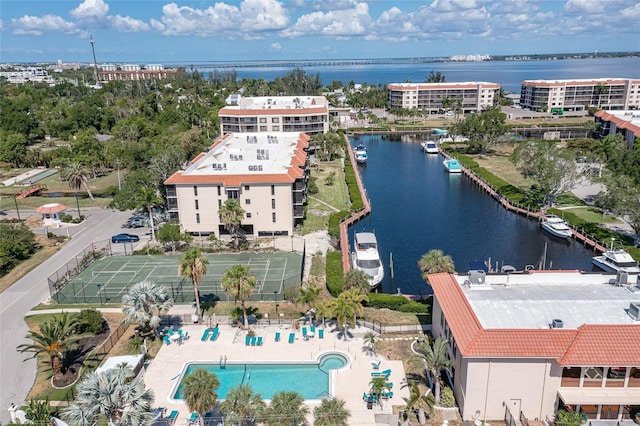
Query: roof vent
[634,310]
[557,323]
[477,277]
[622,278]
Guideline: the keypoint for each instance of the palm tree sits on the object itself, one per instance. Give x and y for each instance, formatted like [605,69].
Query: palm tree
[378,386]
[599,90]
[238,283]
[199,390]
[420,400]
[309,295]
[241,405]
[346,307]
[370,340]
[286,409]
[435,359]
[435,261]
[145,303]
[148,199]
[77,175]
[231,215]
[331,412]
[112,395]
[193,265]
[56,337]
[324,310]
[356,278]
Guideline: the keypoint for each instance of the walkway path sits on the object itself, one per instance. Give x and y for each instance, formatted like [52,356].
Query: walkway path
[322,202]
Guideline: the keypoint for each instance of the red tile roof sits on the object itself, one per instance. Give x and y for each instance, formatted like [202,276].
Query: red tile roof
[283,111]
[590,344]
[619,122]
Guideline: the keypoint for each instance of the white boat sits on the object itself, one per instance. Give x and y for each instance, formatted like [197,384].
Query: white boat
[616,260]
[556,226]
[429,147]
[366,257]
[452,165]
[361,154]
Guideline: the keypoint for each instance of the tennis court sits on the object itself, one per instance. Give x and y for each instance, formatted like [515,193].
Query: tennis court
[108,279]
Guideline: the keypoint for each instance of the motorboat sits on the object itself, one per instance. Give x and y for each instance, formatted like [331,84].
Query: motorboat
[452,165]
[616,260]
[440,132]
[429,147]
[557,227]
[366,257]
[361,154]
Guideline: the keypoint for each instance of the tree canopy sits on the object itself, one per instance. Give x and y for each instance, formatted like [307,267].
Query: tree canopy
[483,129]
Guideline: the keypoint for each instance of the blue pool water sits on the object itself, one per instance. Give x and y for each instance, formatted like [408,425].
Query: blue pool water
[309,379]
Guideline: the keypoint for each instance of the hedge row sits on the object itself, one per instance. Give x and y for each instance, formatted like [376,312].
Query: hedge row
[352,186]
[334,273]
[397,303]
[334,222]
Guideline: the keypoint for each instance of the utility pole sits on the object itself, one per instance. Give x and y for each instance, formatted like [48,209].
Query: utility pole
[95,63]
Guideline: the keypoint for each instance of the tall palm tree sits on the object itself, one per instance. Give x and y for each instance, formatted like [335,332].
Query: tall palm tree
[324,310]
[435,261]
[435,359]
[309,295]
[147,199]
[199,390]
[238,283]
[331,412]
[77,175]
[286,409]
[356,278]
[193,265]
[145,303]
[421,401]
[231,215]
[241,405]
[112,395]
[371,340]
[346,307]
[56,337]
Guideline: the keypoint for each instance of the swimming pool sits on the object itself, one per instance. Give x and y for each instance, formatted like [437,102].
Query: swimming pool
[311,379]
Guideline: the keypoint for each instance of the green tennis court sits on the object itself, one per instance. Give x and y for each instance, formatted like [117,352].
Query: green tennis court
[108,279]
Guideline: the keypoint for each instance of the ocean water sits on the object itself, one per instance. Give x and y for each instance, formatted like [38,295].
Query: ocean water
[509,74]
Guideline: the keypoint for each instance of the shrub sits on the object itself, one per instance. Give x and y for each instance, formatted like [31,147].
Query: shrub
[66,218]
[334,223]
[389,301]
[334,273]
[312,186]
[414,307]
[150,250]
[352,186]
[90,321]
[446,397]
[291,293]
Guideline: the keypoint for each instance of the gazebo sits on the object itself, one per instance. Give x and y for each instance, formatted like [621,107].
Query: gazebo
[51,213]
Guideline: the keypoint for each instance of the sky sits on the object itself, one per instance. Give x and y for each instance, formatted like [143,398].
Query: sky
[181,31]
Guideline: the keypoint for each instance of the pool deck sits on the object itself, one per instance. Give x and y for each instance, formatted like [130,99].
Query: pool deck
[350,382]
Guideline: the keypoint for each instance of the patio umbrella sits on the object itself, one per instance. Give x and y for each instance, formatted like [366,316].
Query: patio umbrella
[51,208]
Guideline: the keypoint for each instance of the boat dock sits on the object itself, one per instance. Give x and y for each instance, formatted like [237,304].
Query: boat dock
[581,236]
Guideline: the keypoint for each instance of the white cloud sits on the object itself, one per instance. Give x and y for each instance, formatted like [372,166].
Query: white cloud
[38,25]
[126,24]
[276,46]
[341,23]
[90,9]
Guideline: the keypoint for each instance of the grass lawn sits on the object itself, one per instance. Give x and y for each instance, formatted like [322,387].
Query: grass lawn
[591,214]
[498,163]
[49,247]
[329,199]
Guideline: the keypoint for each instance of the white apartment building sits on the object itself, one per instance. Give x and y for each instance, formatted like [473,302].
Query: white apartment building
[626,123]
[297,114]
[578,94]
[266,172]
[26,75]
[537,342]
[473,96]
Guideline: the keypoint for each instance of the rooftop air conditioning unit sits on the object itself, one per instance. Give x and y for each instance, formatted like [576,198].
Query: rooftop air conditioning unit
[634,310]
[622,278]
[557,323]
[477,277]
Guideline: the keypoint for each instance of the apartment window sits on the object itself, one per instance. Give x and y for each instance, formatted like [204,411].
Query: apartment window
[247,201]
[263,119]
[570,377]
[197,205]
[592,377]
[263,128]
[276,128]
[273,203]
[273,190]
[218,189]
[219,203]
[273,217]
[246,187]
[275,120]
[195,191]
[233,194]
[248,215]
[197,217]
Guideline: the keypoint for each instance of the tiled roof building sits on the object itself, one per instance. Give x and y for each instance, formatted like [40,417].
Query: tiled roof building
[539,341]
[434,98]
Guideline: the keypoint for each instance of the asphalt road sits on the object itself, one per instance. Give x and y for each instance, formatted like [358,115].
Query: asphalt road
[16,375]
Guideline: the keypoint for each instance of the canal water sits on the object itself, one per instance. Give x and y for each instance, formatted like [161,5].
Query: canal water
[417,206]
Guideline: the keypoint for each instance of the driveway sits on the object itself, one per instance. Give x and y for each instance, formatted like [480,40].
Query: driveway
[17,376]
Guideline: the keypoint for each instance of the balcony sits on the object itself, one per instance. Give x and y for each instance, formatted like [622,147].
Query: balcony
[298,212]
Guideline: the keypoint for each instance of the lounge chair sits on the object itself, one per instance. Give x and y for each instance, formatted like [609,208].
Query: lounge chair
[247,340]
[205,335]
[259,342]
[292,337]
[214,334]
[387,395]
[304,333]
[193,419]
[166,339]
[277,336]
[173,416]
[312,329]
[185,336]
[375,365]
[253,341]
[321,333]
[170,331]
[390,385]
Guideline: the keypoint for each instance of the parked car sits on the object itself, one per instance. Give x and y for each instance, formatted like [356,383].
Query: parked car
[125,238]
